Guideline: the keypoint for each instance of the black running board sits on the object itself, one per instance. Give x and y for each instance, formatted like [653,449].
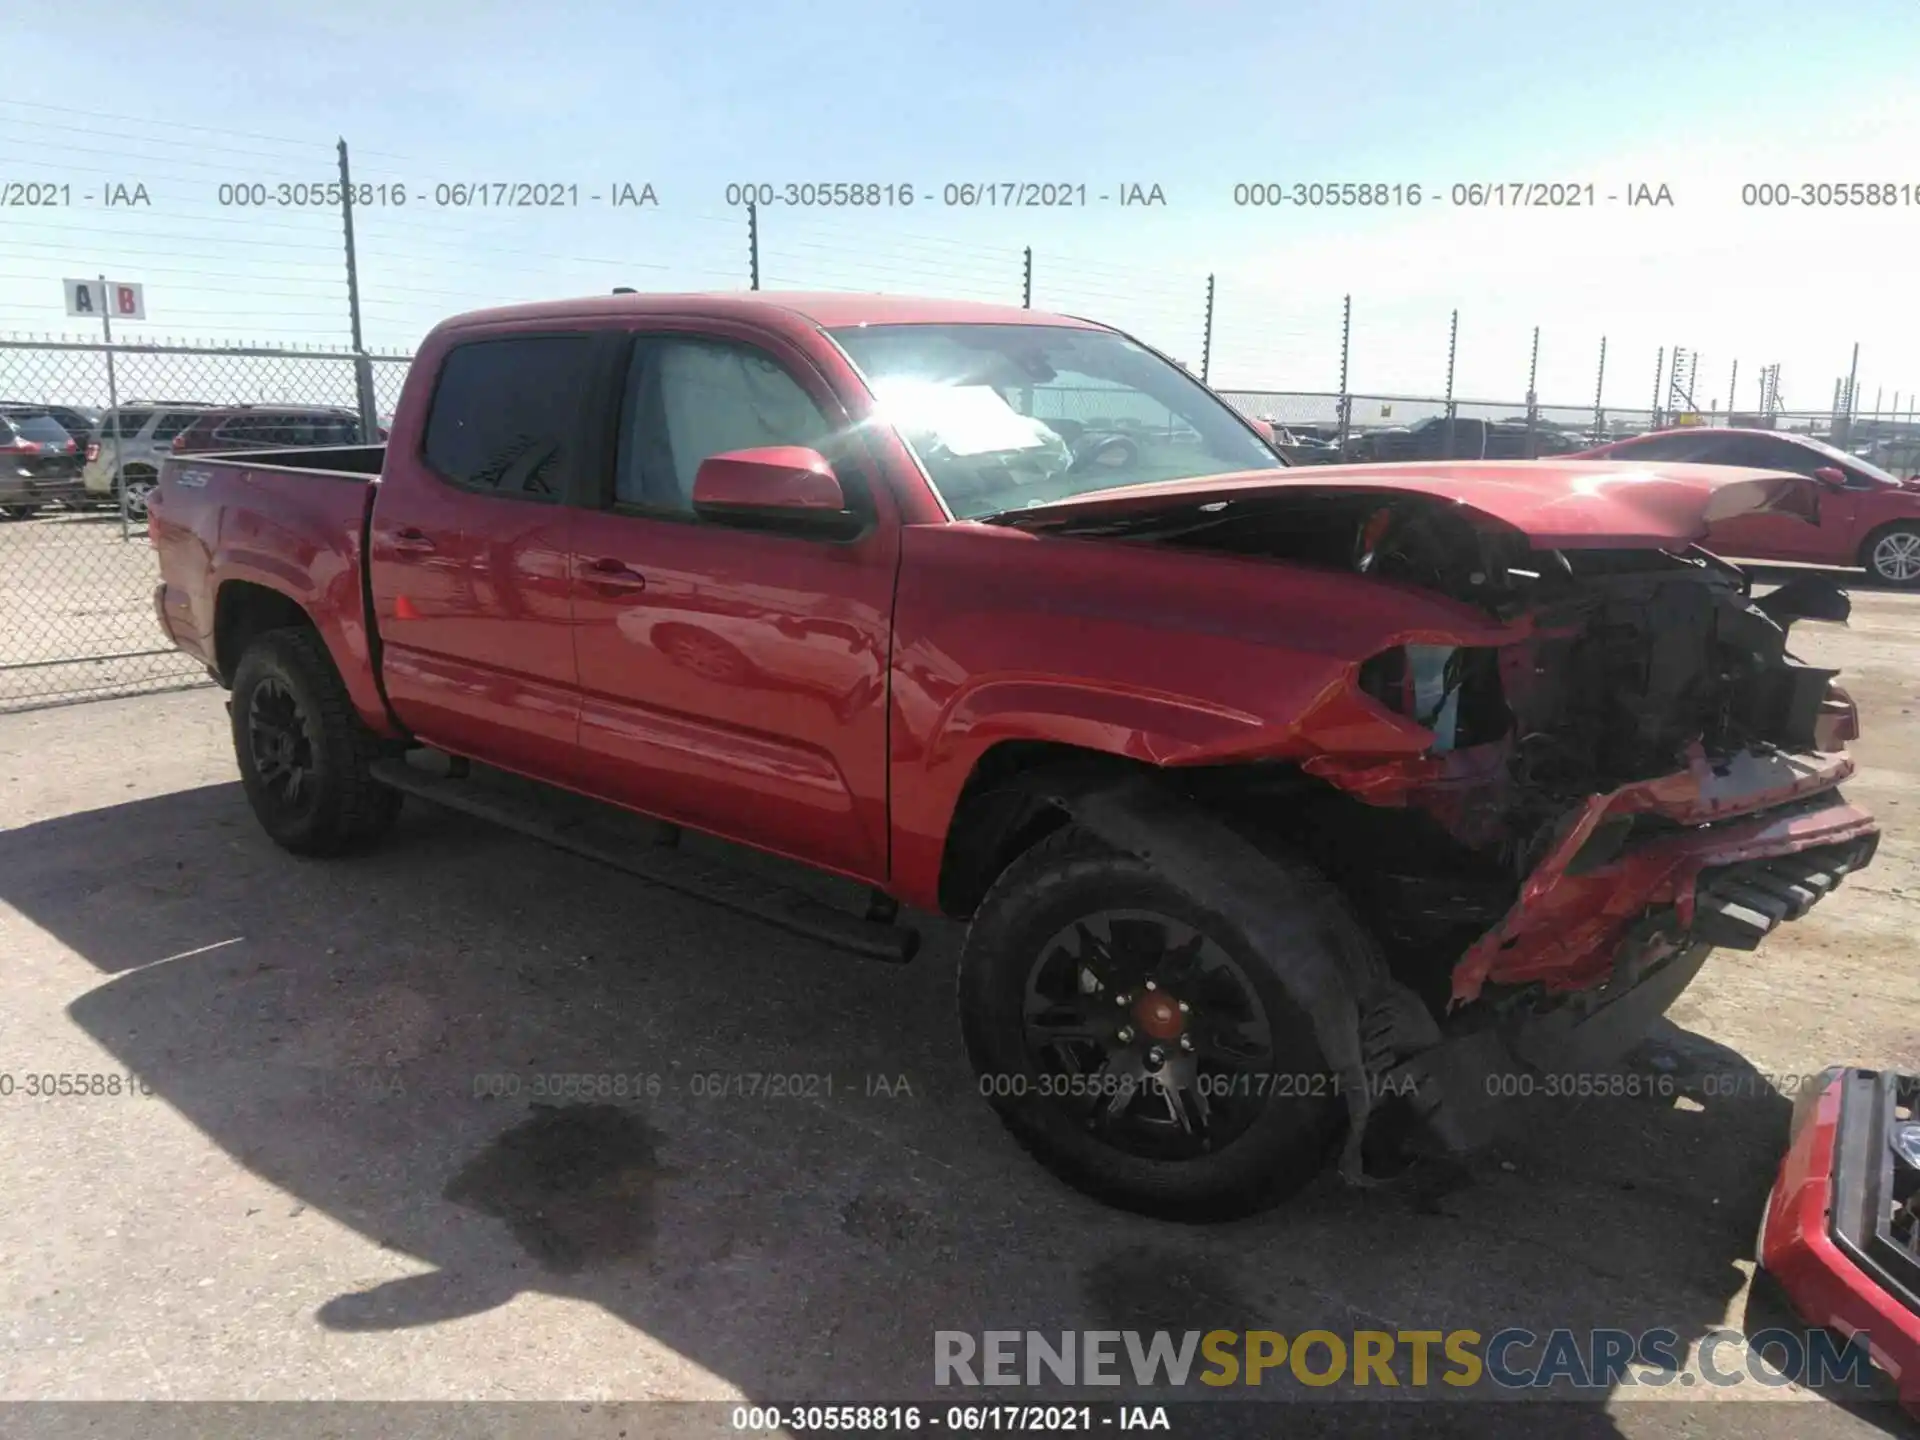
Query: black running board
[735,888]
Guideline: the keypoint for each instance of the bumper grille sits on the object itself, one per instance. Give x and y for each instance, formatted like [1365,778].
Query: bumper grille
[1737,906]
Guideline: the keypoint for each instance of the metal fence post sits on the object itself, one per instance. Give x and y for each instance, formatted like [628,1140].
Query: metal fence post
[1733,380]
[1453,342]
[1346,400]
[1533,397]
[1026,280]
[1853,375]
[753,246]
[1659,364]
[367,405]
[1600,384]
[113,404]
[1206,336]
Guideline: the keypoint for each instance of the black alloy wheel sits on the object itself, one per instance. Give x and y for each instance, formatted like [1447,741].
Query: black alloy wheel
[281,744]
[1148,1033]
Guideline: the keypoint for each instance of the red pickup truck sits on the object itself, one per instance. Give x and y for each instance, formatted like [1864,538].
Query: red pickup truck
[1298,817]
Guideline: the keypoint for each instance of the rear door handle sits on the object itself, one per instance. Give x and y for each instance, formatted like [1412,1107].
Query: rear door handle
[409,541]
[612,573]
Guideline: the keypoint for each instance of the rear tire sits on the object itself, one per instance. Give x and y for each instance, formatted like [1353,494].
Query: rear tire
[1262,1110]
[304,754]
[139,485]
[19,512]
[1892,555]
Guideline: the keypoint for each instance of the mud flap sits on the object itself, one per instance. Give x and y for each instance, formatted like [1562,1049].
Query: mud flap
[1228,873]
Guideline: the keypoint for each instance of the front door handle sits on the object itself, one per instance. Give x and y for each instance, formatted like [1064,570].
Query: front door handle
[612,573]
[409,541]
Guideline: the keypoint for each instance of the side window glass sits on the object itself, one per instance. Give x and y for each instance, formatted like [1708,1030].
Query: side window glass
[1757,453]
[504,416]
[172,424]
[1667,447]
[690,399]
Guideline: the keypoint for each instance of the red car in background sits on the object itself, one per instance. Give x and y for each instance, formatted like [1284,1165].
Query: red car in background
[271,427]
[1866,516]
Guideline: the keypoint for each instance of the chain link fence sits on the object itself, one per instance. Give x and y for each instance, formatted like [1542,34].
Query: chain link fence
[76,571]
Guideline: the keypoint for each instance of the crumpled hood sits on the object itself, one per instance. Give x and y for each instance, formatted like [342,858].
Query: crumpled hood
[1557,504]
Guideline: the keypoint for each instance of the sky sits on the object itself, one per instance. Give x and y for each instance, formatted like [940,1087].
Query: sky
[1194,99]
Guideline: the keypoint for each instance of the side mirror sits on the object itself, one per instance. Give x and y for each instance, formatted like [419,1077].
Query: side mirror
[1832,476]
[1264,428]
[775,487]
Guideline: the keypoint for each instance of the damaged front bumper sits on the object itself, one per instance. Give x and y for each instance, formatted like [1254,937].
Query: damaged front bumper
[1688,842]
[1641,885]
[1842,1228]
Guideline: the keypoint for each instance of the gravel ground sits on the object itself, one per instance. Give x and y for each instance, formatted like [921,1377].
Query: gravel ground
[320,1199]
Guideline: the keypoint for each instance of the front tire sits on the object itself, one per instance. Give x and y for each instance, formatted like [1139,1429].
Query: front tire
[304,754]
[1137,1044]
[1892,556]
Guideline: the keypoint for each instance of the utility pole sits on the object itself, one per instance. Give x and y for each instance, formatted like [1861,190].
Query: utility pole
[1659,364]
[1453,344]
[1733,381]
[1206,336]
[1026,281]
[367,404]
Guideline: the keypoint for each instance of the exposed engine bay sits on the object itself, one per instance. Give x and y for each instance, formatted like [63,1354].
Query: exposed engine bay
[1645,691]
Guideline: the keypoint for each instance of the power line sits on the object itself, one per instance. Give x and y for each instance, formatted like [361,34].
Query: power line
[149,120]
[67,145]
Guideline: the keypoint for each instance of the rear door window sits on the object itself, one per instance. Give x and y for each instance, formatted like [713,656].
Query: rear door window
[241,430]
[506,414]
[173,422]
[128,423]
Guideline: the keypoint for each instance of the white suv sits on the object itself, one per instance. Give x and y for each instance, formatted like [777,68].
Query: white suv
[146,438]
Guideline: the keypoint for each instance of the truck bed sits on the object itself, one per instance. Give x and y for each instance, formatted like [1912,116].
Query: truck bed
[291,520]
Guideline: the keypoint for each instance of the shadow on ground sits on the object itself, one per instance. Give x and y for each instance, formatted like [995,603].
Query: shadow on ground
[369,1035]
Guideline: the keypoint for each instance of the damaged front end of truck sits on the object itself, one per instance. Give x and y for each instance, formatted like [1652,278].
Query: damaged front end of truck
[1636,771]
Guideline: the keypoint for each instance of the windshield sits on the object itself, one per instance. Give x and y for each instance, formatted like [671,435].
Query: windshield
[1007,416]
[1866,467]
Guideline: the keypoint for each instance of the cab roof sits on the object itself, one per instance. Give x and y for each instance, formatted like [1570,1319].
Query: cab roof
[828,310]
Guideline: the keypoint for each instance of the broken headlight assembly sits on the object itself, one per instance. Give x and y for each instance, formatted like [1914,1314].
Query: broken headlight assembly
[1452,690]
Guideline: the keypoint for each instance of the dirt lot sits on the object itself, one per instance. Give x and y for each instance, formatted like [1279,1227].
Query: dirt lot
[72,585]
[321,1199]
